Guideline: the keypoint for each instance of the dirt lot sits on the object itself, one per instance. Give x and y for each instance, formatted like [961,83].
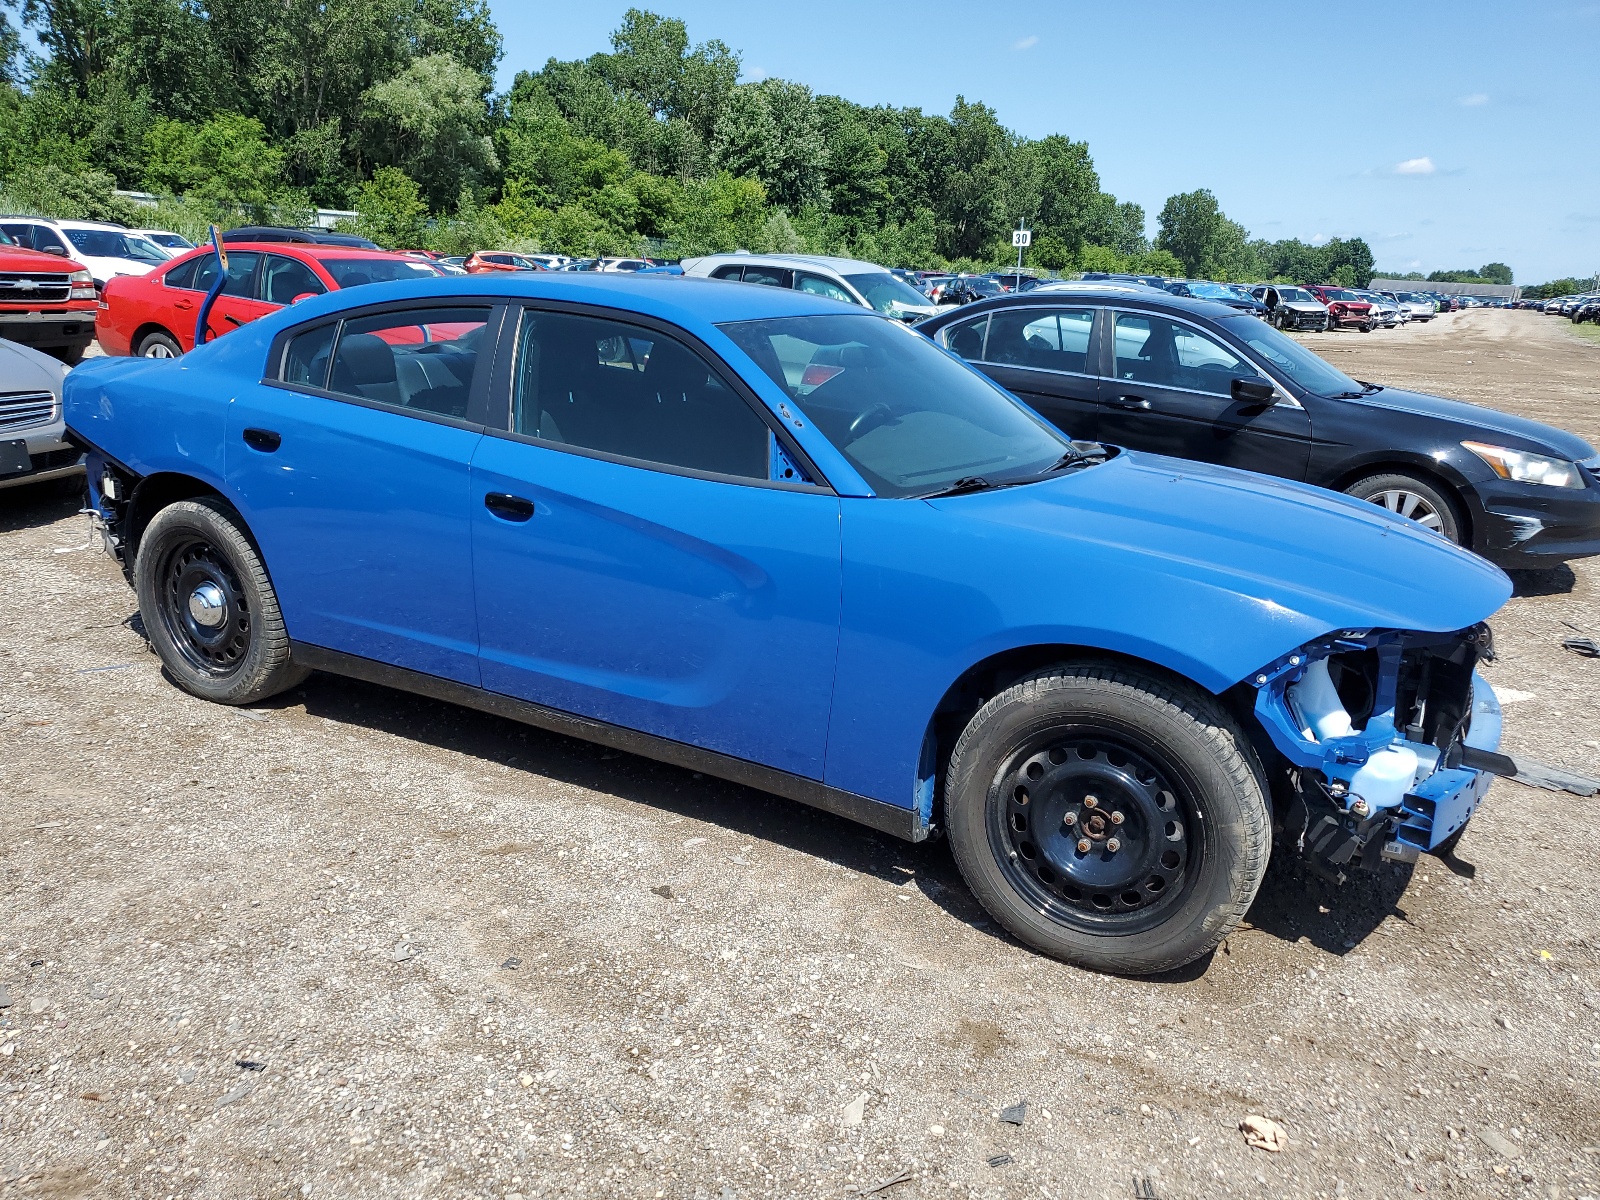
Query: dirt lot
[356,944]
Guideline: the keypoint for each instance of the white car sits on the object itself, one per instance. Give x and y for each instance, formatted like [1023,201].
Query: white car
[107,250]
[845,279]
[1420,307]
[166,239]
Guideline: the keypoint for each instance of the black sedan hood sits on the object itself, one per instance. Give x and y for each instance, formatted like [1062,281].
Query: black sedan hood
[1516,433]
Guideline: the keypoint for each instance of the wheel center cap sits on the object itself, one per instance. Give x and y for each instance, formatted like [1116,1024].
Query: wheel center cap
[208,606]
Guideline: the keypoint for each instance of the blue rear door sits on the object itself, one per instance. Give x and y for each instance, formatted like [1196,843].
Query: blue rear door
[353,475]
[633,562]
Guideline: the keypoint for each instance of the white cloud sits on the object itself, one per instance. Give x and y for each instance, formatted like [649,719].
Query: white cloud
[1474,100]
[1415,166]
[1027,43]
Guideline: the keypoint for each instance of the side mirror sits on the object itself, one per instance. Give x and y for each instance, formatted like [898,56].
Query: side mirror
[304,296]
[58,251]
[1253,391]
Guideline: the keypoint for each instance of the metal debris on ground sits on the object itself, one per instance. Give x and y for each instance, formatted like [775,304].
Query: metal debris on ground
[511,964]
[245,1064]
[1263,1133]
[1587,647]
[855,1110]
[903,1177]
[664,891]
[1554,779]
[1000,1160]
[1015,1114]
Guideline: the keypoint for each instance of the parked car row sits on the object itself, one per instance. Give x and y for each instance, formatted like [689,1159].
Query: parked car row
[763,530]
[1585,306]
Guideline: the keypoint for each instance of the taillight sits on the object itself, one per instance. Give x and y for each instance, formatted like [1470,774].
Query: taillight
[82,286]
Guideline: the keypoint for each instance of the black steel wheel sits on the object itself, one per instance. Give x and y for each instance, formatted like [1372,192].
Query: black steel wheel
[208,605]
[1095,831]
[1108,815]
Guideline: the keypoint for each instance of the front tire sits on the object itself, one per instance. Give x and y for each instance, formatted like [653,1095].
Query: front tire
[1410,497]
[208,606]
[1109,817]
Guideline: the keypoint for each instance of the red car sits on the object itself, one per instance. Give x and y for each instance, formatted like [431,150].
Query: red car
[154,315]
[485,261]
[1344,307]
[46,301]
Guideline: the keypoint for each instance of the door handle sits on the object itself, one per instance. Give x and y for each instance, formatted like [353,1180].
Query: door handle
[1128,402]
[264,440]
[508,507]
[184,305]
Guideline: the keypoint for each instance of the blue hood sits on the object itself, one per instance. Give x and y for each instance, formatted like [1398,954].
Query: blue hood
[1303,560]
[1522,433]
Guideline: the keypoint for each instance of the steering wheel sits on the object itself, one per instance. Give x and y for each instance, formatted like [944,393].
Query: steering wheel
[868,420]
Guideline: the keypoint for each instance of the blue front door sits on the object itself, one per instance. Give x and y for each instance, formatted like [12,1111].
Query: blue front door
[358,492]
[634,565]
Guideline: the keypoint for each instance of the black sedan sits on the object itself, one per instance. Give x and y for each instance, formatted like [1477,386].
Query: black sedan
[1198,380]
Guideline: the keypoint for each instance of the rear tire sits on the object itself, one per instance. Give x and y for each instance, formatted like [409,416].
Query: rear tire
[208,605]
[71,355]
[1078,755]
[1407,496]
[158,344]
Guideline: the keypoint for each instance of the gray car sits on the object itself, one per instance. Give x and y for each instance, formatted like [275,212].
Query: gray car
[32,446]
[847,280]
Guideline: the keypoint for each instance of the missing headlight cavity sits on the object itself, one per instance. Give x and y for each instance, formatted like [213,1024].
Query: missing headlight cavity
[1432,686]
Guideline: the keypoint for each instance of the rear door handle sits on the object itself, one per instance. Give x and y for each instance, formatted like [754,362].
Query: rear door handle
[264,440]
[508,507]
[1128,402]
[184,305]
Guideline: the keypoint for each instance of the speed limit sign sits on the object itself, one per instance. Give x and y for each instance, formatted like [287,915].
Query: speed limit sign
[1022,238]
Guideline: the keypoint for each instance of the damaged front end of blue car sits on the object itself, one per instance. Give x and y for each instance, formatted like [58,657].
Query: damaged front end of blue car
[1391,740]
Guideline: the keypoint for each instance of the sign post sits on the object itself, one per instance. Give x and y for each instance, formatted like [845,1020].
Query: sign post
[1021,239]
[217,284]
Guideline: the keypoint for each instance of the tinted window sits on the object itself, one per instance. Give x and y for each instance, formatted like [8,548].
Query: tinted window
[420,359]
[886,293]
[967,339]
[816,285]
[282,279]
[182,275]
[241,273]
[44,237]
[1163,353]
[306,360]
[910,418]
[353,272]
[727,272]
[771,276]
[6,239]
[1310,370]
[1052,341]
[619,389]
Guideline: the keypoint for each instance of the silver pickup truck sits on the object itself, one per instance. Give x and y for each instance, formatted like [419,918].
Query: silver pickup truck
[32,448]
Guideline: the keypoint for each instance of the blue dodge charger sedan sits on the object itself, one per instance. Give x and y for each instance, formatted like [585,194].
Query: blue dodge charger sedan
[798,545]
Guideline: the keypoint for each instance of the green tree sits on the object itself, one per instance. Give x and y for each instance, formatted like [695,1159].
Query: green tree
[1191,228]
[430,121]
[392,211]
[226,162]
[1495,272]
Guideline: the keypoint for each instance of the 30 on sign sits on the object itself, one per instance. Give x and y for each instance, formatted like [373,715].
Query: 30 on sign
[1022,237]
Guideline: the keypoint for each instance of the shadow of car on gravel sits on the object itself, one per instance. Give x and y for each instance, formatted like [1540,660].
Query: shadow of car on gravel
[1558,580]
[31,505]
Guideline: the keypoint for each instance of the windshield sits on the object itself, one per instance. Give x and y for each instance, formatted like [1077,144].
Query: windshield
[1340,294]
[883,291]
[107,243]
[909,417]
[1305,367]
[983,287]
[1210,291]
[353,272]
[1291,295]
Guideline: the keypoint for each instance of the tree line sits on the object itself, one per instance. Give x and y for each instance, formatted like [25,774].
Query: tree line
[260,110]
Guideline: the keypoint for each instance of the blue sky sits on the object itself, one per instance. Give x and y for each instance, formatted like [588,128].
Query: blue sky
[1447,135]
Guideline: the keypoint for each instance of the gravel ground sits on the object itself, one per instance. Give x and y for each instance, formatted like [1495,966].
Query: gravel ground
[352,943]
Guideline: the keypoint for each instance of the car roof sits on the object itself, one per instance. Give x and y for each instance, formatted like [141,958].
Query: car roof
[840,266]
[112,226]
[688,301]
[317,250]
[1111,294]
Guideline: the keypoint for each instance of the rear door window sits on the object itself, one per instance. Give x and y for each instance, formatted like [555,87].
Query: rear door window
[420,359]
[1046,340]
[771,276]
[635,393]
[283,278]
[241,274]
[182,275]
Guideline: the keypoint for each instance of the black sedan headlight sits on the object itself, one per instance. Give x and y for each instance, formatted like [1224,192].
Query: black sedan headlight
[1521,466]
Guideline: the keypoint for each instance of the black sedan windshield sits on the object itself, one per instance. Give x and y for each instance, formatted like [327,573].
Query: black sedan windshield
[909,417]
[1311,371]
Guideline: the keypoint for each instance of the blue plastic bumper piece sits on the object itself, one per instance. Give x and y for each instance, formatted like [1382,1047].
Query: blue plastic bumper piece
[1445,801]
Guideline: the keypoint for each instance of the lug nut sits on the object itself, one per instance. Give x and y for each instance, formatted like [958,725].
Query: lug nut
[1117,818]
[1083,846]
[1090,801]
[1113,845]
[1070,819]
